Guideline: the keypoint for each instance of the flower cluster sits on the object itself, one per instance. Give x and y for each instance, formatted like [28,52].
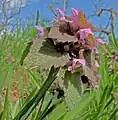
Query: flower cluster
[79,27]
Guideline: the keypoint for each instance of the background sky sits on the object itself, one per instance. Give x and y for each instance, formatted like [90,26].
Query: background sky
[85,5]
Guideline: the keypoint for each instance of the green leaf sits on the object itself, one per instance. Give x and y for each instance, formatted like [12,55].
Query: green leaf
[34,79]
[6,106]
[82,106]
[87,115]
[73,89]
[106,93]
[3,77]
[113,113]
[113,39]
[44,55]
[1,115]
[25,53]
[15,109]
[30,96]
[43,114]
[109,102]
[58,112]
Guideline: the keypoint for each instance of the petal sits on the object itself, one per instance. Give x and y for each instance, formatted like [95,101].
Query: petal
[74,12]
[73,65]
[74,19]
[84,33]
[61,15]
[82,62]
[96,64]
[70,68]
[87,30]
[41,29]
[39,35]
[76,63]
[60,12]
[100,41]
[41,32]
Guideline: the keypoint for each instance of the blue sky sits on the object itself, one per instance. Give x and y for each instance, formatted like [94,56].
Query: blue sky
[85,5]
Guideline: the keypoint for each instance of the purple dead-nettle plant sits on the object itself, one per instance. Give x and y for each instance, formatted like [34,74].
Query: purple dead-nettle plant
[74,35]
[41,31]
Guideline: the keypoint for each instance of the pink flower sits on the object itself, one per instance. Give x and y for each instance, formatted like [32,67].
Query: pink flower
[74,12]
[96,63]
[84,33]
[82,61]
[92,48]
[70,68]
[74,19]
[76,63]
[61,14]
[39,28]
[41,31]
[100,41]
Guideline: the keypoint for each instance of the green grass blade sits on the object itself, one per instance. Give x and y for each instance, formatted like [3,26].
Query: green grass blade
[6,106]
[25,53]
[37,18]
[15,109]
[113,114]
[3,77]
[82,107]
[41,116]
[59,112]
[30,96]
[114,40]
[34,79]
[36,99]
